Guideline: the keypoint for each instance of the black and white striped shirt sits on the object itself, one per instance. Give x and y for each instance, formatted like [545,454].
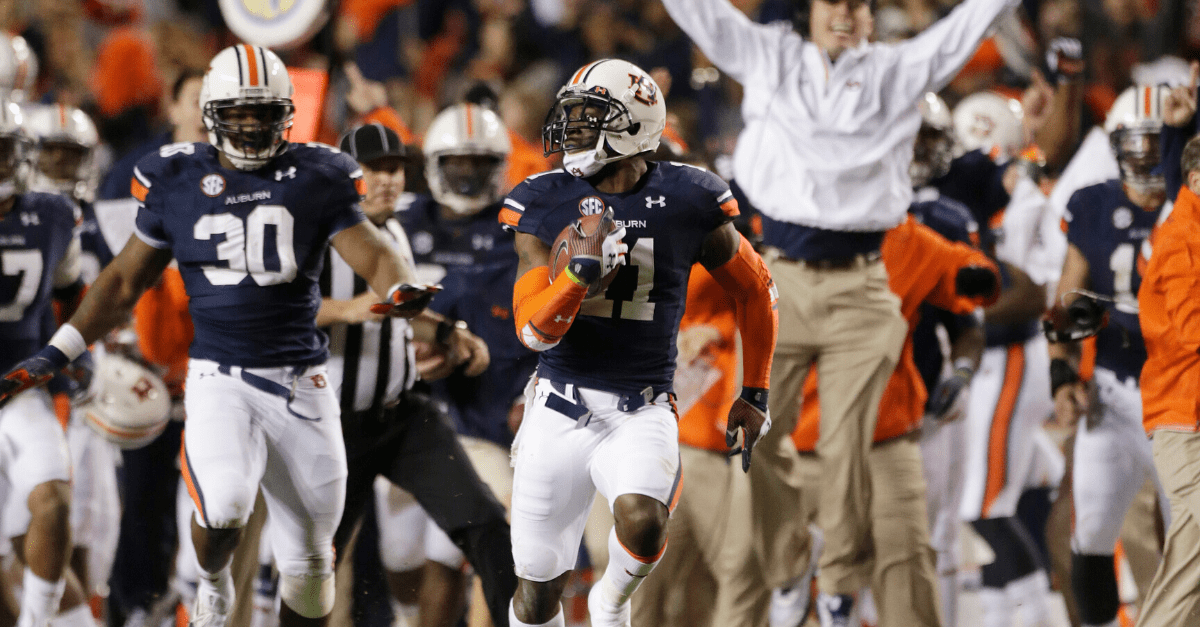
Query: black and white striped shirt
[370,364]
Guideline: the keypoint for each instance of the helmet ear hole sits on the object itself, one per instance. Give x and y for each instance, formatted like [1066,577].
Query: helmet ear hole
[634,128]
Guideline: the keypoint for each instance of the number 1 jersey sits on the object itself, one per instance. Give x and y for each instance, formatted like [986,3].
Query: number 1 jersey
[250,245]
[623,340]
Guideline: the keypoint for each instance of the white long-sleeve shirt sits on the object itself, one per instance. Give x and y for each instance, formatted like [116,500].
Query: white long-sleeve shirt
[828,145]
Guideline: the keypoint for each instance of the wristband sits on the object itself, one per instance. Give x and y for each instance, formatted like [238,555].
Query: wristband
[69,341]
[964,366]
[445,328]
[1061,373]
[756,397]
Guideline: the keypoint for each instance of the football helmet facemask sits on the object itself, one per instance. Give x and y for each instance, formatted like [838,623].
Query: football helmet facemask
[64,139]
[934,148]
[246,103]
[466,155]
[14,148]
[1134,126]
[610,110]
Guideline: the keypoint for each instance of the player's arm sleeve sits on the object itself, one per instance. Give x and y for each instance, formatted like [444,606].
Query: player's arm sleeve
[736,45]
[1180,283]
[951,257]
[67,272]
[544,311]
[930,60]
[344,195]
[746,278]
[1171,144]
[148,224]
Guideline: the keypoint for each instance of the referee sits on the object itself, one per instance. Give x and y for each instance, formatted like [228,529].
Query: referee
[391,430]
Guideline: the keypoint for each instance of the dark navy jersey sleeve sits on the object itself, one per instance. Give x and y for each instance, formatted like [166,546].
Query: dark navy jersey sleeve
[524,210]
[950,218]
[713,197]
[150,223]
[343,182]
[977,182]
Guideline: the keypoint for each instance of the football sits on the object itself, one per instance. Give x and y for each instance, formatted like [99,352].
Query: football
[583,237]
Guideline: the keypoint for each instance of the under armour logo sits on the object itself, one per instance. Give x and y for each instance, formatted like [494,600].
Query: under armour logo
[291,173]
[30,219]
[567,320]
[661,201]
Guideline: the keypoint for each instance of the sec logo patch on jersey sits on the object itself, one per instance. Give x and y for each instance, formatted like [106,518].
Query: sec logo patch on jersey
[591,206]
[212,185]
[1122,217]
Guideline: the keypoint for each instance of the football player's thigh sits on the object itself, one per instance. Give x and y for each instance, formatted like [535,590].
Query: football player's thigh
[1106,478]
[34,452]
[552,490]
[491,461]
[224,450]
[305,480]
[402,525]
[640,456]
[93,485]
[989,384]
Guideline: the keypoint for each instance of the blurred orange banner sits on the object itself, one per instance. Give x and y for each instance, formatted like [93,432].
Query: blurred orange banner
[310,89]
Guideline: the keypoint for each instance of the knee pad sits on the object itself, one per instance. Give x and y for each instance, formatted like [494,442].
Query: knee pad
[1094,582]
[1016,555]
[310,595]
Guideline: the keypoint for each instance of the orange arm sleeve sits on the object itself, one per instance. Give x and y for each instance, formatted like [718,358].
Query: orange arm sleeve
[747,280]
[543,310]
[948,258]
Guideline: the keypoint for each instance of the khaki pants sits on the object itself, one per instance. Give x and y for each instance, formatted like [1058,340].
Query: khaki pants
[1174,596]
[850,323]
[709,574]
[903,579]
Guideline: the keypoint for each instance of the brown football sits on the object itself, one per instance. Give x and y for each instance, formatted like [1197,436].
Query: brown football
[584,236]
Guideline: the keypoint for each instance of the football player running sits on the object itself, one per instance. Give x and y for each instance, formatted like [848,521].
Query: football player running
[248,218]
[600,414]
[1107,225]
[39,261]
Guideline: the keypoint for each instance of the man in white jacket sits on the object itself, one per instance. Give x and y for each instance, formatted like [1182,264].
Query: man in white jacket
[830,124]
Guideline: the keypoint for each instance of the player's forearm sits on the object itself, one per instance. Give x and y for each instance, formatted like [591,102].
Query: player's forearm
[425,326]
[968,345]
[108,304]
[1023,301]
[1058,135]
[745,277]
[544,310]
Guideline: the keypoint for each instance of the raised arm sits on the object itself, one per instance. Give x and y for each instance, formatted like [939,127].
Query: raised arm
[727,37]
[930,60]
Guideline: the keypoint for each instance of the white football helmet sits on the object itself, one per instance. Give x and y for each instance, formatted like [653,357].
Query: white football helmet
[473,131]
[250,83]
[990,123]
[64,140]
[610,110]
[1134,127]
[934,148]
[129,405]
[14,148]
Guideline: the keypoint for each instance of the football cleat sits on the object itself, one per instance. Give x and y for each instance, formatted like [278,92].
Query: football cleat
[214,601]
[602,614]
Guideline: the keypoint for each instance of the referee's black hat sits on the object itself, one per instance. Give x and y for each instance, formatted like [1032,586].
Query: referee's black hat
[372,141]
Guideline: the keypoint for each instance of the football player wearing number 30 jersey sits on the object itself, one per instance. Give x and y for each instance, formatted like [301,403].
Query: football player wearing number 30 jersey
[600,414]
[248,218]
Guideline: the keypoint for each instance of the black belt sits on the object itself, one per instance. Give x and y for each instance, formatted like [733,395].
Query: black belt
[836,263]
[269,386]
[568,403]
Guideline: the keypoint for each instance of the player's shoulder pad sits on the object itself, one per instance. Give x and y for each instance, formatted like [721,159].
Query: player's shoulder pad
[536,191]
[709,189]
[51,207]
[162,164]
[950,218]
[326,159]
[1093,199]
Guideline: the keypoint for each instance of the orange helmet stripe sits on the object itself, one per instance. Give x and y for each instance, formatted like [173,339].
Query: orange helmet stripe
[252,63]
[470,124]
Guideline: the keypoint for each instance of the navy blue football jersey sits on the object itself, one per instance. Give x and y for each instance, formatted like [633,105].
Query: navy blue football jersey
[474,259]
[953,221]
[34,238]
[623,340]
[250,245]
[976,181]
[1110,230]
[439,242]
[96,254]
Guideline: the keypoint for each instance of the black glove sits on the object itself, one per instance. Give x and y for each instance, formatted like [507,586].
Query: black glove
[1083,318]
[946,393]
[974,281]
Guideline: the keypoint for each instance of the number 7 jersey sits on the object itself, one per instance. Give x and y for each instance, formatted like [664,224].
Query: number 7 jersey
[623,340]
[250,245]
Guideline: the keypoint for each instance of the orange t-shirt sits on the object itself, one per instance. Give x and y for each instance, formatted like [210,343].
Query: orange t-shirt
[703,425]
[1169,311]
[921,267]
[164,328]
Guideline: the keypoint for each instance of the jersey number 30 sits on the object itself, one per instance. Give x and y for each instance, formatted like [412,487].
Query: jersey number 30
[245,247]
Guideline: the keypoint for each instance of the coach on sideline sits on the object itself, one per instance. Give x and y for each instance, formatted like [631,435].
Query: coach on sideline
[830,124]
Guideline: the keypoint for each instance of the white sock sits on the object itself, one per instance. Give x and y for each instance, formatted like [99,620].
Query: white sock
[79,616]
[39,600]
[625,572]
[406,615]
[557,621]
[868,614]
[1029,595]
[948,587]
